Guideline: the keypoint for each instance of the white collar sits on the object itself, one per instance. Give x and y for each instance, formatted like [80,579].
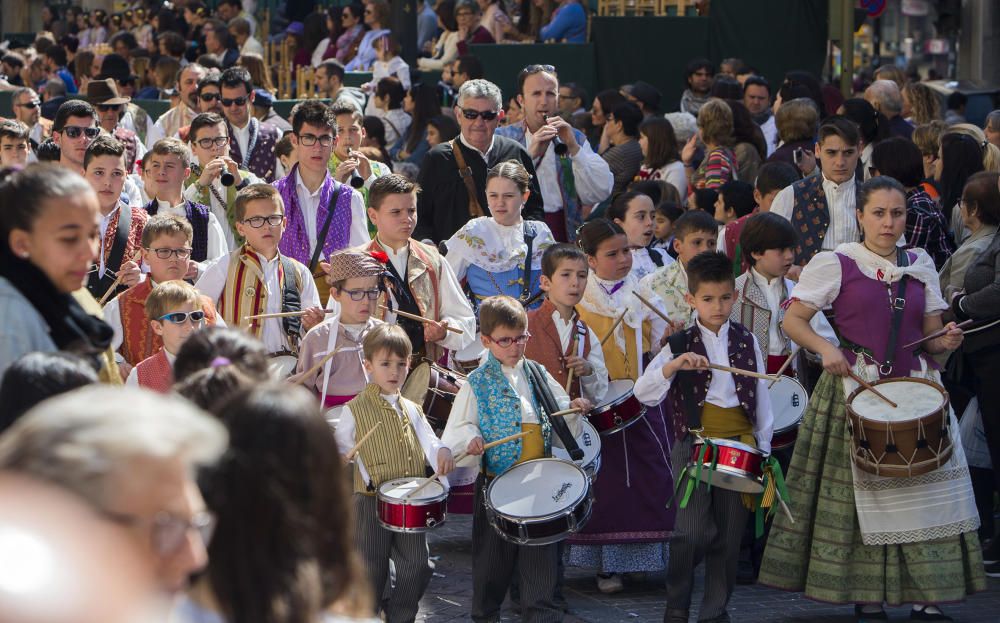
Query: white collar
[708,334]
[403,250]
[244,130]
[557,317]
[170,357]
[107,218]
[392,399]
[763,281]
[517,367]
[485,154]
[302,185]
[830,184]
[163,205]
[266,262]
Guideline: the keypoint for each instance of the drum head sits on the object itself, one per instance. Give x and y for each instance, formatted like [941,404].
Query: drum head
[282,366]
[617,391]
[399,488]
[788,402]
[415,386]
[589,441]
[915,399]
[538,488]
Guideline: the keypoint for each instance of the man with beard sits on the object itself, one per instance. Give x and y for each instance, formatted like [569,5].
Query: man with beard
[698,78]
[27,107]
[757,99]
[181,115]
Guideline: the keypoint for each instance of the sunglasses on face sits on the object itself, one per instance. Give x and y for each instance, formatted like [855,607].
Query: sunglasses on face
[29,105]
[109,107]
[308,140]
[209,97]
[239,101]
[73,131]
[208,143]
[258,221]
[182,317]
[486,115]
[357,295]
[165,253]
[505,342]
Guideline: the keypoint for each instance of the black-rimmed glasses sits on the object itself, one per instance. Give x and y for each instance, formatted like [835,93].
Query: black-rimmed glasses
[308,140]
[258,221]
[209,142]
[165,253]
[357,295]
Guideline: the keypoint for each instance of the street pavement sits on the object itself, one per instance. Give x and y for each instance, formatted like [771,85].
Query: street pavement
[450,594]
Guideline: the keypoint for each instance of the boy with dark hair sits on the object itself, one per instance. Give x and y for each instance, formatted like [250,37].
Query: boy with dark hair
[733,207]
[709,525]
[347,163]
[14,144]
[251,142]
[55,62]
[73,129]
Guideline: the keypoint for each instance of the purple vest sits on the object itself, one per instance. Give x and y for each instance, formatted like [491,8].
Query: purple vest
[261,160]
[295,241]
[197,215]
[862,315]
[695,383]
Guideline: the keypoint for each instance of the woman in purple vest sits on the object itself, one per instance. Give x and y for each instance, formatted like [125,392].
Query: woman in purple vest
[859,538]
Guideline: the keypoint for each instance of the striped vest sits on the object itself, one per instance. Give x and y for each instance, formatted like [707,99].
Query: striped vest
[393,451]
[138,339]
[245,294]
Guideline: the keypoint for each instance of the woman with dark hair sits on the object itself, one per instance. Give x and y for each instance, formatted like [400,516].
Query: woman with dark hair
[353,26]
[926,228]
[661,157]
[376,19]
[958,158]
[980,207]
[446,49]
[327,46]
[874,128]
[421,103]
[726,88]
[216,362]
[283,546]
[314,31]
[799,78]
[375,137]
[604,103]
[37,377]
[749,145]
[441,129]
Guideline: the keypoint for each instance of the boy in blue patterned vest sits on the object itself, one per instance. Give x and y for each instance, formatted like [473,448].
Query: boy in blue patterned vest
[502,398]
[722,405]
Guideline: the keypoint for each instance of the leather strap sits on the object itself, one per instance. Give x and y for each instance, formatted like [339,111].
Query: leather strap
[529,239]
[291,301]
[321,239]
[898,303]
[464,172]
[98,284]
[548,404]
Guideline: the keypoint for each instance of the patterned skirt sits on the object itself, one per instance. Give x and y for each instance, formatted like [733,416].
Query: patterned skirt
[822,554]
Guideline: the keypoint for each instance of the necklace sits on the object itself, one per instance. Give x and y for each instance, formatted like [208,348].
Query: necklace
[889,254]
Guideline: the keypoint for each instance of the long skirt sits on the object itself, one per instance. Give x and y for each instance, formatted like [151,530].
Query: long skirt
[822,553]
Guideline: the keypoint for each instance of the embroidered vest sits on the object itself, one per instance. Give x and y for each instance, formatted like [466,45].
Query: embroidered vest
[295,241]
[245,293]
[134,243]
[197,215]
[260,159]
[138,339]
[500,415]
[546,348]
[733,247]
[810,217]
[752,312]
[695,383]
[156,373]
[393,451]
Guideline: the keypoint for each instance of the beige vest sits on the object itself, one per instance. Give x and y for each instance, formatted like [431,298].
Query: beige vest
[393,451]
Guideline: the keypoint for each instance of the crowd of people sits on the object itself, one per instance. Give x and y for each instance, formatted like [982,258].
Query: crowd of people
[264,286]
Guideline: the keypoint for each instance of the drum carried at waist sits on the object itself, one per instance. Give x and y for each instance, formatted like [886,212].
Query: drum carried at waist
[727,464]
[590,442]
[433,388]
[419,513]
[910,439]
[619,410]
[788,404]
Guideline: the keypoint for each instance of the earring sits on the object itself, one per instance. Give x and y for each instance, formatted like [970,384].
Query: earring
[25,255]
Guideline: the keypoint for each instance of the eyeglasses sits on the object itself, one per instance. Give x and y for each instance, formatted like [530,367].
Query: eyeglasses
[108,107]
[239,101]
[167,531]
[486,115]
[165,253]
[505,342]
[258,221]
[74,131]
[209,97]
[209,142]
[308,140]
[357,295]
[182,317]
[33,104]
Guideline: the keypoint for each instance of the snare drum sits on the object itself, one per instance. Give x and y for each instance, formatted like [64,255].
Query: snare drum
[282,366]
[469,358]
[619,411]
[737,468]
[420,513]
[908,440]
[590,442]
[434,388]
[788,404]
[539,502]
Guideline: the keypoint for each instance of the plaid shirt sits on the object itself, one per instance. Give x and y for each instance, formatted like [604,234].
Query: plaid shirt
[926,227]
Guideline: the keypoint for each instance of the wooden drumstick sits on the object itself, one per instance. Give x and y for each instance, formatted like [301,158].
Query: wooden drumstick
[565,412]
[611,331]
[118,280]
[461,455]
[653,308]
[364,438]
[419,318]
[319,364]
[756,375]
[863,383]
[938,334]
[292,314]
[784,366]
[572,349]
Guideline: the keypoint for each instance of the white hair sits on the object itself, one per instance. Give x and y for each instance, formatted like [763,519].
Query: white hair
[80,439]
[886,94]
[685,125]
[480,89]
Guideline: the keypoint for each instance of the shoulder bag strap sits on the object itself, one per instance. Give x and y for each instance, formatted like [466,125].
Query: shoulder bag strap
[898,303]
[548,404]
[291,300]
[321,239]
[678,346]
[464,172]
[529,239]
[98,284]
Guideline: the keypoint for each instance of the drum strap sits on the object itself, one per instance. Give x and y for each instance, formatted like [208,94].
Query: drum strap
[529,240]
[897,304]
[291,300]
[547,403]
[678,345]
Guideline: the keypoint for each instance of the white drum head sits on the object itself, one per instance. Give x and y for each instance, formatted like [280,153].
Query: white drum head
[401,487]
[788,402]
[473,352]
[589,441]
[416,384]
[282,366]
[617,390]
[915,400]
[538,488]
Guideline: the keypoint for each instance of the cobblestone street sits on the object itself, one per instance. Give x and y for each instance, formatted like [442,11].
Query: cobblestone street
[450,594]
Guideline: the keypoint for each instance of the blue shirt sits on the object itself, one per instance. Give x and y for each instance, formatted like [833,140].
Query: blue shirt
[569,23]
[67,77]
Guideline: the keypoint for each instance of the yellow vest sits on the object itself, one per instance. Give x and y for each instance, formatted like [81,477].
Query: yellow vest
[393,451]
[620,365]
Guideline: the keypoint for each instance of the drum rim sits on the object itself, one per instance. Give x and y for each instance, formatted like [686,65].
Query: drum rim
[595,434]
[546,540]
[425,385]
[607,406]
[729,443]
[731,471]
[586,493]
[946,400]
[794,425]
[411,501]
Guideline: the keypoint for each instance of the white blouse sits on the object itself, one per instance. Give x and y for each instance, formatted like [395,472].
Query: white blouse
[494,247]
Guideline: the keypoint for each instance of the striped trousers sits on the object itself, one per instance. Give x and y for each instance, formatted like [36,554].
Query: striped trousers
[408,552]
[709,528]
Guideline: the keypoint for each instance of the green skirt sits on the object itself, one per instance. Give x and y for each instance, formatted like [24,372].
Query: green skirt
[822,554]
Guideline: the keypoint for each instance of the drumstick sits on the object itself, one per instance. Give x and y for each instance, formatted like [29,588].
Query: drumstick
[419,318]
[565,412]
[756,375]
[313,370]
[569,377]
[652,307]
[283,314]
[784,366]
[863,383]
[461,455]
[613,327]
[938,333]
[357,446]
[118,280]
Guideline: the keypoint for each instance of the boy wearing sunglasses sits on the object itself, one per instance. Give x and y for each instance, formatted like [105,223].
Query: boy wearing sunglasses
[257,279]
[166,251]
[250,141]
[174,313]
[354,278]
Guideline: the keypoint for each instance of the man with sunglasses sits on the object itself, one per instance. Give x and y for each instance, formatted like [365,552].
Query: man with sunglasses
[251,142]
[170,122]
[27,107]
[570,174]
[73,129]
[453,174]
[110,105]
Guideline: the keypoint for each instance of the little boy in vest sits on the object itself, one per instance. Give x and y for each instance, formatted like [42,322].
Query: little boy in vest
[402,446]
[509,394]
[174,313]
[561,341]
[166,251]
[257,279]
[694,232]
[418,280]
[354,278]
[710,524]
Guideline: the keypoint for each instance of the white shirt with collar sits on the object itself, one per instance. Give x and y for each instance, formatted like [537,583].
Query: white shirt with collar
[217,244]
[652,386]
[591,175]
[242,136]
[309,204]
[483,154]
[212,283]
[346,436]
[840,201]
[133,375]
[595,384]
[105,223]
[643,264]
[772,290]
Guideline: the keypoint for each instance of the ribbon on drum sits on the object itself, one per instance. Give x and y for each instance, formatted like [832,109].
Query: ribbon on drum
[775,494]
[708,450]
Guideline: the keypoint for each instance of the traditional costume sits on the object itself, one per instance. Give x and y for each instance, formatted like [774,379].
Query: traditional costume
[209,240]
[823,213]
[856,538]
[252,147]
[553,339]
[646,261]
[221,199]
[121,239]
[155,373]
[670,284]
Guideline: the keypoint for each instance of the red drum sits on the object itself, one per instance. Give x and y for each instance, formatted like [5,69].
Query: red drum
[433,388]
[420,513]
[619,411]
[788,404]
[738,466]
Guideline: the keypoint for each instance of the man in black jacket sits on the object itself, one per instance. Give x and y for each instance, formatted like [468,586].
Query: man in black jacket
[444,204]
